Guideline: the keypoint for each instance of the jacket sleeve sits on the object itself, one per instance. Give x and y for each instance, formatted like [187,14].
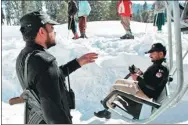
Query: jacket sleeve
[146,88]
[155,83]
[71,66]
[48,88]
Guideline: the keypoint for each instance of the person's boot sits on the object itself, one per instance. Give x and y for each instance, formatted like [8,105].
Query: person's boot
[83,35]
[127,36]
[76,36]
[103,114]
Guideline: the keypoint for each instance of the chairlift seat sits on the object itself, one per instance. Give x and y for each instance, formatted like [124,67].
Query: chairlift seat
[136,102]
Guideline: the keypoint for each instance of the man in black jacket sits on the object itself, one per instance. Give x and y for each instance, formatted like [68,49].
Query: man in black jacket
[145,85]
[72,11]
[44,76]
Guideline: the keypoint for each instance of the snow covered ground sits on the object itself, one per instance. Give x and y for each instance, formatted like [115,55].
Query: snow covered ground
[92,82]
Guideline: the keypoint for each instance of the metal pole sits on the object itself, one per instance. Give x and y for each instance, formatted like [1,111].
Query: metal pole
[170,38]
[177,32]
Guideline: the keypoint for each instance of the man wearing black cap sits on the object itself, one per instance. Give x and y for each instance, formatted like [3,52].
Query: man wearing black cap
[43,75]
[145,85]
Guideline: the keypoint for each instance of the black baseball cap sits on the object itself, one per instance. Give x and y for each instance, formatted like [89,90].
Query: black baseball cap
[36,19]
[157,47]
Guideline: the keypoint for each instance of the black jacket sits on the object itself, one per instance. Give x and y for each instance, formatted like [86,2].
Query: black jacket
[48,82]
[154,79]
[72,8]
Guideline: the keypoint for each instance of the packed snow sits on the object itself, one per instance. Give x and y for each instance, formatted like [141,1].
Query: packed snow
[92,82]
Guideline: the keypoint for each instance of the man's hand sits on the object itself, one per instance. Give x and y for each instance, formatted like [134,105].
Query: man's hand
[87,58]
[134,76]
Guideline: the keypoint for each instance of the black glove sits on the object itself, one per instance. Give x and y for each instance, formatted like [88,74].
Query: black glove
[133,69]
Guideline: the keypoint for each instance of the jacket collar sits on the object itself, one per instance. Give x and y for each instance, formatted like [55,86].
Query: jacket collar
[32,44]
[159,61]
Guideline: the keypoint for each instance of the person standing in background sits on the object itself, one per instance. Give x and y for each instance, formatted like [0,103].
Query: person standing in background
[72,11]
[124,10]
[159,11]
[84,9]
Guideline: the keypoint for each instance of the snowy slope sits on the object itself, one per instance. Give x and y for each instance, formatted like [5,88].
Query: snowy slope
[92,82]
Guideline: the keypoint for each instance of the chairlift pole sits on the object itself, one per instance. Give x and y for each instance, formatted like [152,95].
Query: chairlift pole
[169,37]
[178,45]
[179,61]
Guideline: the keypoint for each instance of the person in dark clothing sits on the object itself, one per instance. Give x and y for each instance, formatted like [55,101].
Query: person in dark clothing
[159,14]
[72,10]
[146,85]
[44,76]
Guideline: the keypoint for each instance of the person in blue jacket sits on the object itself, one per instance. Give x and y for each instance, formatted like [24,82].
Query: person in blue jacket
[83,11]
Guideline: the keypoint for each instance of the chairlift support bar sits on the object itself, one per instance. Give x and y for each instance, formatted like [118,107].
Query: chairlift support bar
[183,11]
[181,18]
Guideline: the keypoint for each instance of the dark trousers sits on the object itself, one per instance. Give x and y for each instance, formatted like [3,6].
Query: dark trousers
[72,24]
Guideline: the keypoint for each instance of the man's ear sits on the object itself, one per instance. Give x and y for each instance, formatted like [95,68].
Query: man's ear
[161,54]
[41,31]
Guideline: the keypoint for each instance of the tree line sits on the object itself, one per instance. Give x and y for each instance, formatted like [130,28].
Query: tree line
[101,10]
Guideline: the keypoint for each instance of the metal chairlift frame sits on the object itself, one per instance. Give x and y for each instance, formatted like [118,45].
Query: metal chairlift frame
[181,86]
[175,97]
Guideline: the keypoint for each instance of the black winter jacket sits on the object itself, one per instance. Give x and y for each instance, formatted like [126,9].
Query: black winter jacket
[154,79]
[48,82]
[72,8]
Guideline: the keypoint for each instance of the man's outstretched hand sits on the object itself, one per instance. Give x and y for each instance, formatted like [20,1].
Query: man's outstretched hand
[87,58]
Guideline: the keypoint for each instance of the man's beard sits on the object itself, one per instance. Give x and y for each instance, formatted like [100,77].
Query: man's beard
[152,59]
[50,43]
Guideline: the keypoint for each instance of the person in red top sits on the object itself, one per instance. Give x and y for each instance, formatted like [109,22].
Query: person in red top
[124,10]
